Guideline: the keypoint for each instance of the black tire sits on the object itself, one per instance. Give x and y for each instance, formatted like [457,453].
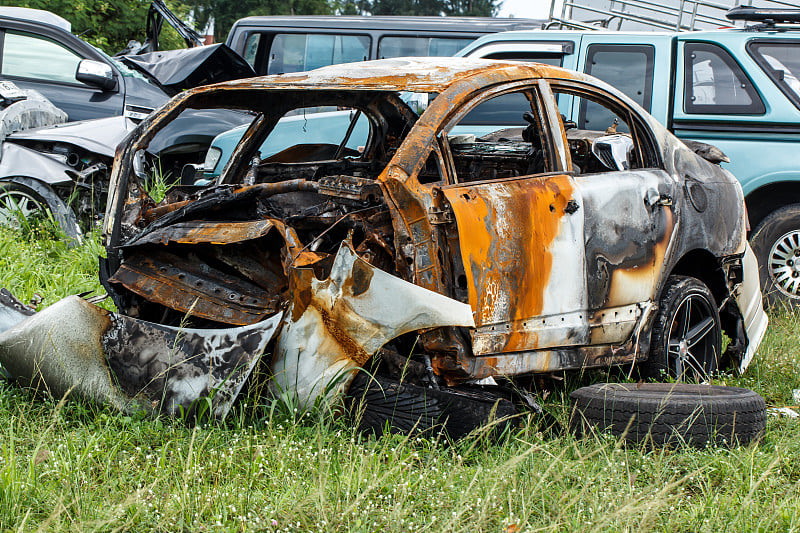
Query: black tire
[35,200]
[669,413]
[684,346]
[381,403]
[776,245]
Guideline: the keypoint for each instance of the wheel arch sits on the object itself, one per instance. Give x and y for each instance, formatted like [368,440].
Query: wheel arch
[770,197]
[703,265]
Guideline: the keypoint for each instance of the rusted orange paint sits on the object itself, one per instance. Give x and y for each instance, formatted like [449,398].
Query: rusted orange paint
[506,229]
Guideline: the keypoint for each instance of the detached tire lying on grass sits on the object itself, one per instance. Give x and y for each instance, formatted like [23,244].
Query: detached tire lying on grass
[381,403]
[669,413]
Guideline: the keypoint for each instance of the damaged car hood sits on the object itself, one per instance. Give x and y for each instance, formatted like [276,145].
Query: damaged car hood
[100,136]
[176,70]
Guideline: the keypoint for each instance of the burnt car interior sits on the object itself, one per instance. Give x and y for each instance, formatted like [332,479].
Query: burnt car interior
[322,192]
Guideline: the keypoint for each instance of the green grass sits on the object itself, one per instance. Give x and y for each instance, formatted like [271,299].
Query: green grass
[78,467]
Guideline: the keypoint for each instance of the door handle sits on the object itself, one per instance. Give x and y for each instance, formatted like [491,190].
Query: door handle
[653,199]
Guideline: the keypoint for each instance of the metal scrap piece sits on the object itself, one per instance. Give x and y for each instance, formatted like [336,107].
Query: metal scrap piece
[132,365]
[334,326]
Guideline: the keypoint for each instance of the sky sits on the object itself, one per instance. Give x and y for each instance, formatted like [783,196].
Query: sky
[526,9]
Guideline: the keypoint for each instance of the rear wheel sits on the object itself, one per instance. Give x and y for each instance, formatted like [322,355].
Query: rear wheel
[776,244]
[686,339]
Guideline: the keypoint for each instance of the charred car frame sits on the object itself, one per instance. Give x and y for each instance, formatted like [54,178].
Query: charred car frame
[452,259]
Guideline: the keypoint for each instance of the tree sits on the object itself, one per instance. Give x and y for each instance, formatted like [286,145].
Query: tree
[477,8]
[226,12]
[107,24]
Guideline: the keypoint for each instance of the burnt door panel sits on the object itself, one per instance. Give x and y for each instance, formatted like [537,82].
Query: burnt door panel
[628,226]
[521,244]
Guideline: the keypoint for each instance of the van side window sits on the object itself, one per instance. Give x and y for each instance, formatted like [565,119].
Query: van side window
[251,48]
[715,84]
[629,68]
[296,52]
[780,59]
[420,46]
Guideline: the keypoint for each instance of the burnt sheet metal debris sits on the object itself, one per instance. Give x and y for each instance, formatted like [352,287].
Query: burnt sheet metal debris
[434,260]
[132,365]
[335,326]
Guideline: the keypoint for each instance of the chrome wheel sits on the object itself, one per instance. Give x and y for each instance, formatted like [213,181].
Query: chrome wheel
[693,334]
[784,264]
[17,205]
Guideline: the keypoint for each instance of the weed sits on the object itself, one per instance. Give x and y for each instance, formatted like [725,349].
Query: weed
[75,466]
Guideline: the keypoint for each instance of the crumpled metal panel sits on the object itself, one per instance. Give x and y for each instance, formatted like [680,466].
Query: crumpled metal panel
[748,298]
[198,231]
[132,365]
[192,287]
[334,326]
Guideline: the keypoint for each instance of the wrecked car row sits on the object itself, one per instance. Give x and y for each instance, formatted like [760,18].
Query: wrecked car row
[454,259]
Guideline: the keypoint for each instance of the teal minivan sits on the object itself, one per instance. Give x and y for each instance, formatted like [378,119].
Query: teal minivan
[735,88]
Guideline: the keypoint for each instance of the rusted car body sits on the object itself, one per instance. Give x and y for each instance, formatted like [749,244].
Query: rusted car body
[450,258]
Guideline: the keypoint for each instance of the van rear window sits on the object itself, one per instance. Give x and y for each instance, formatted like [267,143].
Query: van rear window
[296,52]
[421,46]
[780,60]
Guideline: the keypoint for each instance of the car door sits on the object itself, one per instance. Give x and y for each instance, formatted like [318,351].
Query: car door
[520,229]
[40,62]
[627,210]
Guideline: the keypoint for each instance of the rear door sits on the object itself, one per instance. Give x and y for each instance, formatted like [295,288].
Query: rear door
[520,232]
[725,98]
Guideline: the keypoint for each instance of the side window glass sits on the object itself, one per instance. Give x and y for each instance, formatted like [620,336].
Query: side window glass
[419,46]
[28,56]
[501,111]
[446,46]
[715,84]
[781,61]
[499,151]
[629,68]
[251,48]
[299,52]
[608,147]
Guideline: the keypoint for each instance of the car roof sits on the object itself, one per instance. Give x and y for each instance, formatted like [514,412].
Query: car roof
[550,35]
[36,15]
[419,74]
[381,23]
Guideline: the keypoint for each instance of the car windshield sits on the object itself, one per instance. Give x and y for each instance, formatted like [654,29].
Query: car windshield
[123,68]
[781,62]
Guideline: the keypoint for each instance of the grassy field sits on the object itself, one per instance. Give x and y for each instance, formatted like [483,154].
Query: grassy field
[68,465]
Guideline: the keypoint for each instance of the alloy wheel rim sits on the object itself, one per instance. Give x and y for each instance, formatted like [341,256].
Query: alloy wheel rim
[16,204]
[784,264]
[691,344]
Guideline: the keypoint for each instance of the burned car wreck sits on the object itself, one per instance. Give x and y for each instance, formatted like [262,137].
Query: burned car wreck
[434,251]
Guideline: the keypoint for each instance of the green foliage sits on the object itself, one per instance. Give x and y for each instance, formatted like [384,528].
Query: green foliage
[74,466]
[108,24]
[477,8]
[226,12]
